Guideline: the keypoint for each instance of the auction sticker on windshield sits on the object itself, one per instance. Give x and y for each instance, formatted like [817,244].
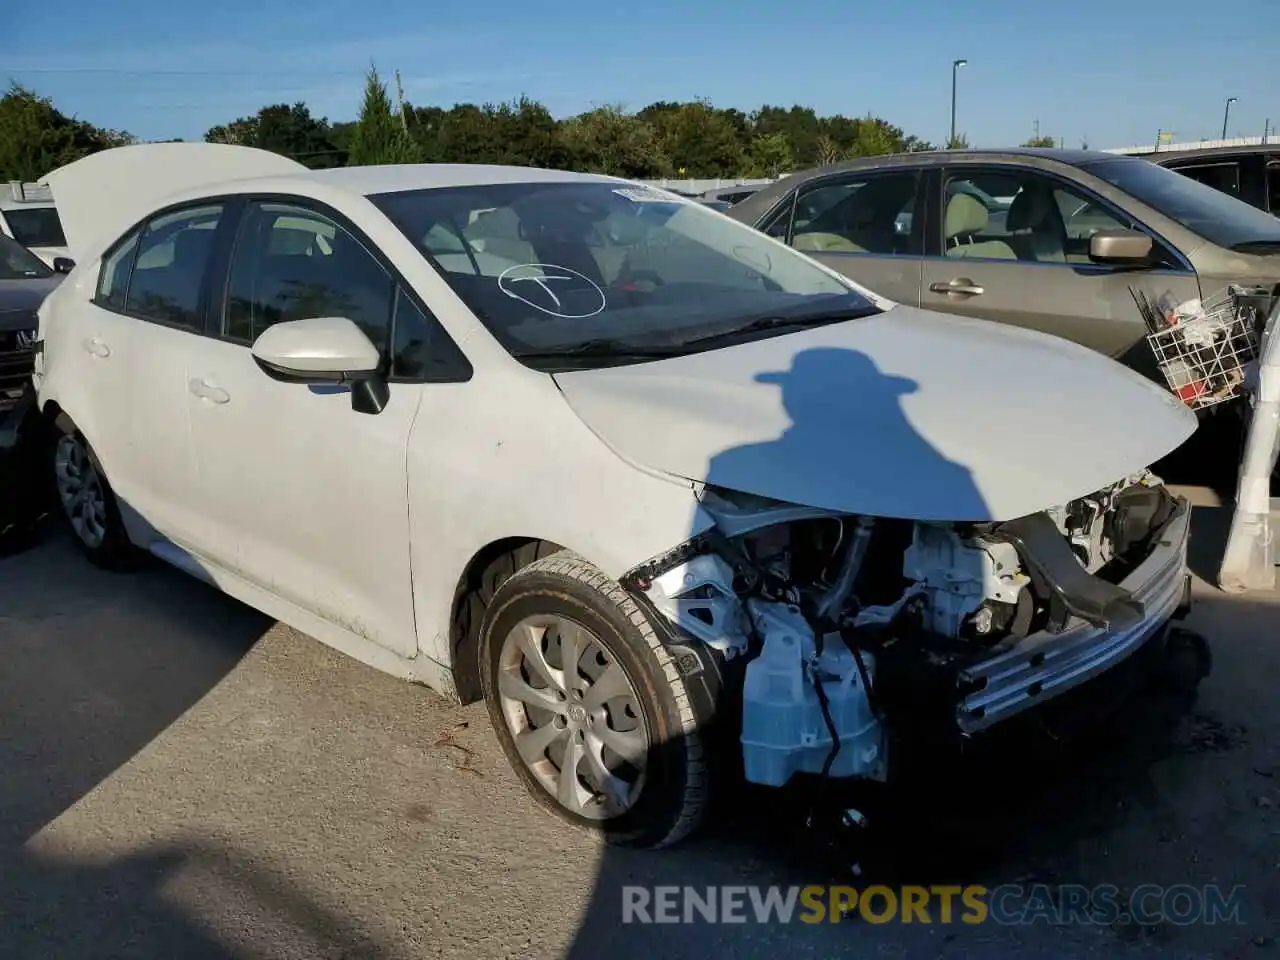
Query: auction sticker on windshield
[648,196]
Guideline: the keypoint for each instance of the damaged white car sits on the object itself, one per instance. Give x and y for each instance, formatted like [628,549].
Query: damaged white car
[603,457]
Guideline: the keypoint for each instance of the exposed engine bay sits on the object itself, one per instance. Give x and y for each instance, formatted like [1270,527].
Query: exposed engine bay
[854,628]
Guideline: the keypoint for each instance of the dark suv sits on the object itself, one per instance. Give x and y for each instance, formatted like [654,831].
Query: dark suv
[24,283]
[1249,173]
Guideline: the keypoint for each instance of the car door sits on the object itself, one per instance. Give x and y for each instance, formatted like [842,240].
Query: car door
[164,303]
[94,340]
[863,224]
[1011,244]
[307,496]
[130,342]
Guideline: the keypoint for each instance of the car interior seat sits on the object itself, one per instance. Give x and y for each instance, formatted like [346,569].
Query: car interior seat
[966,218]
[1035,223]
[822,242]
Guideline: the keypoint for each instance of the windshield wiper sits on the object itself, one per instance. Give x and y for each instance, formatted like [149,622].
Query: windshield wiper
[782,322]
[1256,246]
[600,348]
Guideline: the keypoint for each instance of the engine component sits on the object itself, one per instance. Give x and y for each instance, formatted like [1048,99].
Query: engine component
[784,729]
[963,581]
[698,596]
[832,603]
[1059,576]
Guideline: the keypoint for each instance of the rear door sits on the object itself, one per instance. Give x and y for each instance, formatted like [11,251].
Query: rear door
[867,225]
[1011,244]
[166,303]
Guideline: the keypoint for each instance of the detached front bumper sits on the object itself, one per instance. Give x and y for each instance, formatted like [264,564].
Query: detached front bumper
[1046,665]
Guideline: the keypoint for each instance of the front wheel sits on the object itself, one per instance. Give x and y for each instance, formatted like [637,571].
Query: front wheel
[589,706]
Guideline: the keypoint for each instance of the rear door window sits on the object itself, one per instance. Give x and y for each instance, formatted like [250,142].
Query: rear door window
[169,272]
[860,214]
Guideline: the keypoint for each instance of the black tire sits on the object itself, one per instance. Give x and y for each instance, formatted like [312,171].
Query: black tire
[674,795]
[114,551]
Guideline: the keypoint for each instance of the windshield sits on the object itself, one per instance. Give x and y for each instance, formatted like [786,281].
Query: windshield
[36,227]
[603,268]
[1214,215]
[19,263]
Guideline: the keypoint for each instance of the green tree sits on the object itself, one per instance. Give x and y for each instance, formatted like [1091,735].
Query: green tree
[913,144]
[769,155]
[801,126]
[35,137]
[426,125]
[611,141]
[873,137]
[528,134]
[285,129]
[959,142]
[697,137]
[1041,142]
[380,135]
[828,150]
[468,134]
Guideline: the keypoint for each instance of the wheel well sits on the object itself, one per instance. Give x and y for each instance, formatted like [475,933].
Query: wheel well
[487,571]
[54,416]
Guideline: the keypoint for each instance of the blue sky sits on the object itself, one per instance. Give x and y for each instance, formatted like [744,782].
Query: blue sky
[1113,72]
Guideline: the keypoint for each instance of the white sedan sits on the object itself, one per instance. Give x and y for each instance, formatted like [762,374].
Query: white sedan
[603,457]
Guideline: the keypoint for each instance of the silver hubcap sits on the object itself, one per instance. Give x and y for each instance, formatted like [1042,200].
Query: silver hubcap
[80,490]
[574,715]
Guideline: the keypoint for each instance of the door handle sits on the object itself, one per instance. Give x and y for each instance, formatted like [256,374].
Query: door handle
[962,287]
[96,347]
[207,391]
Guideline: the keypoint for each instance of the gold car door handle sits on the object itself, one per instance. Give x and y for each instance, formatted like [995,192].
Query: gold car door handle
[962,287]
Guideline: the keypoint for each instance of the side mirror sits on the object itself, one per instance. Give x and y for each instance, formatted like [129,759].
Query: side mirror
[1120,246]
[324,350]
[63,264]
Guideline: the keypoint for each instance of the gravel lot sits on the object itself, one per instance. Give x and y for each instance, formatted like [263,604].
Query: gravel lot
[183,778]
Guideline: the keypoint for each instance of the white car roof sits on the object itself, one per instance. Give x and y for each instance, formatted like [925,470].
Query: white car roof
[369,181]
[101,195]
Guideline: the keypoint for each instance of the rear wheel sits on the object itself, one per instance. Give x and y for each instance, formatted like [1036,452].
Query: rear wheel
[589,706]
[89,504]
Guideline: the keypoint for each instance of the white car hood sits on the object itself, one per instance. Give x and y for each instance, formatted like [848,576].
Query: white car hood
[909,414]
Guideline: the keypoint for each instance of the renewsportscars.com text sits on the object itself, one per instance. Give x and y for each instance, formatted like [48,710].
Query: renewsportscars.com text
[1010,904]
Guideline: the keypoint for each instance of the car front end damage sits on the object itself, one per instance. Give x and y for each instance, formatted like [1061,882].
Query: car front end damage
[845,634]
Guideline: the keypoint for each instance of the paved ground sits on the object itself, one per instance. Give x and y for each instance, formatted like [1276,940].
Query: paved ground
[181,778]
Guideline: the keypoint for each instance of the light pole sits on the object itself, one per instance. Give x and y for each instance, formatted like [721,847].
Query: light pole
[1225,114]
[955,69]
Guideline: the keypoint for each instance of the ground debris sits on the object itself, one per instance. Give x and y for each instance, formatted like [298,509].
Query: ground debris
[446,740]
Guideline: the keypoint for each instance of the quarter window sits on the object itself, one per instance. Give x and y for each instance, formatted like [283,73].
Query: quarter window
[114,278]
[869,214]
[170,267]
[421,350]
[292,263]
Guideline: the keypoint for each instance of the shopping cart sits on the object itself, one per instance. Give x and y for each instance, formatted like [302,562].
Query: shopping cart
[1206,349]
